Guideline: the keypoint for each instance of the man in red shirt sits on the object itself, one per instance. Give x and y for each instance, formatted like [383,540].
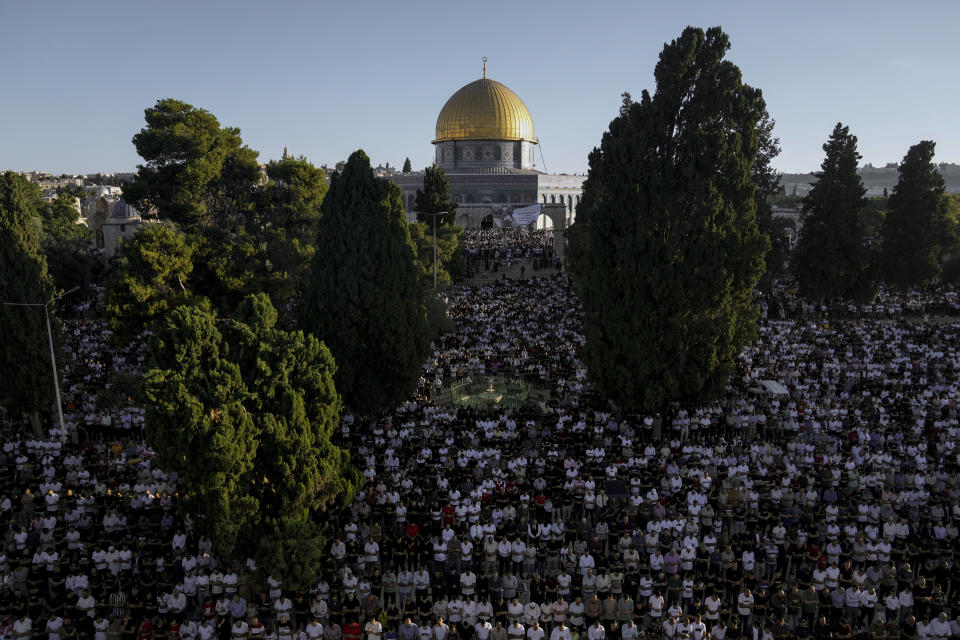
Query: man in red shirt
[412,530]
[145,630]
[352,631]
[209,610]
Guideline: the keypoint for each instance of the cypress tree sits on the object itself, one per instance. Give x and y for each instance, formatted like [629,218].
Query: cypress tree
[434,198]
[245,412]
[831,259]
[665,250]
[916,230]
[24,349]
[363,298]
[767,180]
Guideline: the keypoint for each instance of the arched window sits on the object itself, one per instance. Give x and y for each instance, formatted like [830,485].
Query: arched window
[553,199]
[544,198]
[570,203]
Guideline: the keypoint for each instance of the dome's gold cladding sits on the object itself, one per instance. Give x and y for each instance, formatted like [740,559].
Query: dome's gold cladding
[484,110]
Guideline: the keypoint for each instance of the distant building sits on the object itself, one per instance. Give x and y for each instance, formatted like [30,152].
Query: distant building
[120,225]
[110,217]
[485,144]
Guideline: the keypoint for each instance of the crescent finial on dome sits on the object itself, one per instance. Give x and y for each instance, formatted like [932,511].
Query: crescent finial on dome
[484,66]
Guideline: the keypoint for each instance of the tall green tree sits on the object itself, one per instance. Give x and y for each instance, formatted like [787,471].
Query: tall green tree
[61,219]
[24,349]
[831,259]
[72,263]
[150,278]
[195,171]
[363,298]
[767,180]
[407,167]
[65,243]
[916,230]
[450,259]
[286,222]
[665,250]
[292,374]
[434,198]
[199,424]
[245,412]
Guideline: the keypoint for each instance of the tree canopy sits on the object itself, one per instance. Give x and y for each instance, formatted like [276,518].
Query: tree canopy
[245,413]
[286,221]
[916,230]
[450,259]
[150,278]
[24,349]
[665,250]
[767,180]
[363,298]
[195,171]
[407,168]
[60,219]
[243,407]
[831,259]
[434,198]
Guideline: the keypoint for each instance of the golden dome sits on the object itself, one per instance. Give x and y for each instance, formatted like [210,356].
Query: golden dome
[484,110]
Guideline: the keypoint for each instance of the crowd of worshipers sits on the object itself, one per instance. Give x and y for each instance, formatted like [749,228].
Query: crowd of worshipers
[942,300]
[497,249]
[830,511]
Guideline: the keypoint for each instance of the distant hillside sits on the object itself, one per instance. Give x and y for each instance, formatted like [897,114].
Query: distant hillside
[874,179]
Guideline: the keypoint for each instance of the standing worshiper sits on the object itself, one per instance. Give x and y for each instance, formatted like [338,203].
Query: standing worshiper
[373,629]
[118,601]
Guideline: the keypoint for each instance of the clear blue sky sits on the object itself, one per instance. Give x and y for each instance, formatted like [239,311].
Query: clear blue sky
[326,78]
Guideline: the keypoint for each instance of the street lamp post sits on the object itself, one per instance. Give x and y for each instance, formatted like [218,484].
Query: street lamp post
[53,358]
[438,213]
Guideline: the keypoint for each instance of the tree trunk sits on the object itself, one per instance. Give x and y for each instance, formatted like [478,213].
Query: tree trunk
[35,423]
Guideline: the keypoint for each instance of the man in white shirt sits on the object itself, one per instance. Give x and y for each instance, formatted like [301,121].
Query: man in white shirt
[468,582]
[240,629]
[531,612]
[561,632]
[483,629]
[655,603]
[670,628]
[22,627]
[86,604]
[516,631]
[314,630]
[54,626]
[535,632]
[745,609]
[940,627]
[698,629]
[596,631]
[374,629]
[440,630]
